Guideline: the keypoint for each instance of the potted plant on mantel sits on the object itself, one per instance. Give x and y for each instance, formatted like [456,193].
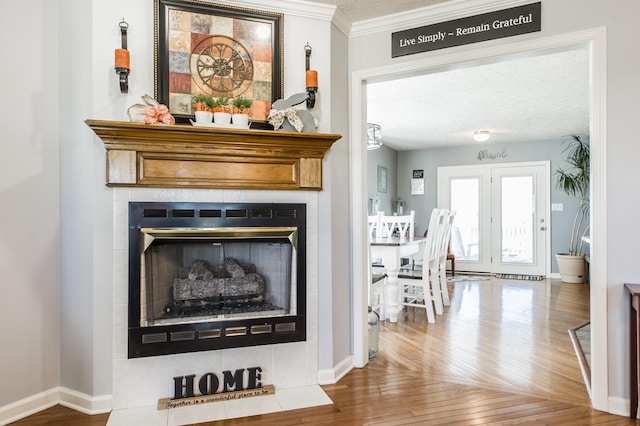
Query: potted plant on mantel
[204,107]
[575,183]
[221,114]
[241,110]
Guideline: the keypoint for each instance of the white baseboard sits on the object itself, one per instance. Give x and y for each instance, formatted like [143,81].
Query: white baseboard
[28,406]
[331,376]
[75,400]
[619,406]
[555,275]
[84,403]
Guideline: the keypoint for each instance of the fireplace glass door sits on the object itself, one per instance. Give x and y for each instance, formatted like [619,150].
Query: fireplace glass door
[206,276]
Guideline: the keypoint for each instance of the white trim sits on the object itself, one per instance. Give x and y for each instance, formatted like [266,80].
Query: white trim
[619,406]
[47,399]
[598,268]
[332,375]
[28,406]
[299,8]
[596,39]
[84,403]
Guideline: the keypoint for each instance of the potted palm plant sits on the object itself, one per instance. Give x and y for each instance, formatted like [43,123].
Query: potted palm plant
[574,181]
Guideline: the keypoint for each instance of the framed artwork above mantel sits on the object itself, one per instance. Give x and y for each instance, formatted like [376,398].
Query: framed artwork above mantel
[221,51]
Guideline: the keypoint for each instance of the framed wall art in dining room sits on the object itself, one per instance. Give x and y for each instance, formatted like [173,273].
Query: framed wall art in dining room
[382,179]
[221,51]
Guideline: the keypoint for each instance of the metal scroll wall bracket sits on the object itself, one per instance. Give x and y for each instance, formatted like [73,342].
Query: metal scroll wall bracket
[123,66]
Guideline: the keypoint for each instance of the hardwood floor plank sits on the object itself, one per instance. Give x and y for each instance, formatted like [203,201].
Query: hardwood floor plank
[499,355]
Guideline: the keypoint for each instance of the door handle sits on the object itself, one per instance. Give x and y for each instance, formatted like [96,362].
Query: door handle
[542,228]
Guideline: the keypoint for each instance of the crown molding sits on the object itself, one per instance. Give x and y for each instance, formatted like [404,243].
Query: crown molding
[299,8]
[441,12]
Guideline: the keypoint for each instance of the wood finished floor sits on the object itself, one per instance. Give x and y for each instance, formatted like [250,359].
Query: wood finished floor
[500,355]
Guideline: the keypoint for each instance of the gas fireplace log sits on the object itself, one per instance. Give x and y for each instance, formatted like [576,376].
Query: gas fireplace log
[185,289]
[200,283]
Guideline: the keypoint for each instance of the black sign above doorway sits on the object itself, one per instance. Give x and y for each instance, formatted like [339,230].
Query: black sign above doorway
[473,29]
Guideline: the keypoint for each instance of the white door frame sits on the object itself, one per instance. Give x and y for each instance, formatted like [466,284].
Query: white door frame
[595,40]
[488,168]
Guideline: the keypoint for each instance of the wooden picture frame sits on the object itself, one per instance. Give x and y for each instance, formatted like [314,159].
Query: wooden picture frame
[217,50]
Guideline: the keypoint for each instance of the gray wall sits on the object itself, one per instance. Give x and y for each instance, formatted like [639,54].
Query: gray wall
[334,336]
[385,157]
[430,159]
[29,183]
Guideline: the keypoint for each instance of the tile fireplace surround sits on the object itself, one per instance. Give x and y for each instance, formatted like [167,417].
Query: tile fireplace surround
[292,368]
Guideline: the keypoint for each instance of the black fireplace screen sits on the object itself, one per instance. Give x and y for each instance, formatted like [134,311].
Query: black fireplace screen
[206,276]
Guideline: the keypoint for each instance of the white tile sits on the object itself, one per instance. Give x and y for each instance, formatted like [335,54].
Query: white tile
[312,362]
[120,384]
[148,380]
[197,414]
[253,356]
[147,416]
[302,397]
[198,363]
[289,365]
[120,332]
[252,406]
[120,276]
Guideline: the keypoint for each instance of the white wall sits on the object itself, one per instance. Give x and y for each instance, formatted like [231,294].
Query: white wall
[29,206]
[372,49]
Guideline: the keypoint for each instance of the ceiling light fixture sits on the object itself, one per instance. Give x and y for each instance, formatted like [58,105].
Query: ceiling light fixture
[481,135]
[374,136]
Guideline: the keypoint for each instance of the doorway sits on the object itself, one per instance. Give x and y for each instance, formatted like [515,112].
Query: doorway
[501,221]
[595,41]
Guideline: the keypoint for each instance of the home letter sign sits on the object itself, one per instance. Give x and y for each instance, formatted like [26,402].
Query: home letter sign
[238,384]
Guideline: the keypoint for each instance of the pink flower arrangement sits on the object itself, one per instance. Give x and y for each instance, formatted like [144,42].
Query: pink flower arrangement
[158,114]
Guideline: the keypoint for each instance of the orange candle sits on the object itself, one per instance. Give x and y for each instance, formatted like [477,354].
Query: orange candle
[312,78]
[122,59]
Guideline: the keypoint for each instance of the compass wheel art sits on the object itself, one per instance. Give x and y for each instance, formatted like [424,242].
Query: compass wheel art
[221,66]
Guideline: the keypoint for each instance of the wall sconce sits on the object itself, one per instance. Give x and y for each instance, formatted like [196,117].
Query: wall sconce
[481,135]
[123,64]
[311,79]
[374,136]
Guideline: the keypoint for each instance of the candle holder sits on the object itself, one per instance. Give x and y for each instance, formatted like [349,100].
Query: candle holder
[123,65]
[311,79]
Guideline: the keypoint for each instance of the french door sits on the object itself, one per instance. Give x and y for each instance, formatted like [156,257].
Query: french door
[501,221]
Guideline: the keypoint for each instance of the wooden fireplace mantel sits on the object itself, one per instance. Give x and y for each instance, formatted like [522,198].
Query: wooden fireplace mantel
[182,156]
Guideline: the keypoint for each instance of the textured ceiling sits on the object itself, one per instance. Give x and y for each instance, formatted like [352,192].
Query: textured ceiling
[536,98]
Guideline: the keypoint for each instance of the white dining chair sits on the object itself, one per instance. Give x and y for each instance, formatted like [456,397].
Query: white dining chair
[375,223]
[378,276]
[403,225]
[443,245]
[416,285]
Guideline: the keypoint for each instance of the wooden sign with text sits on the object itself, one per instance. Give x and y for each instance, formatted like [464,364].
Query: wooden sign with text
[166,403]
[472,29]
[230,385]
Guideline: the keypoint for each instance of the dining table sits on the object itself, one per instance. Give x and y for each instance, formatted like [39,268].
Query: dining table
[388,252]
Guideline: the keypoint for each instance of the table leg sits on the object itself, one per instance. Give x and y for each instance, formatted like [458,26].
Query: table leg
[392,297]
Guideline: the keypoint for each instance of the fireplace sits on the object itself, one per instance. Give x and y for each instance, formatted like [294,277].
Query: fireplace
[207,276]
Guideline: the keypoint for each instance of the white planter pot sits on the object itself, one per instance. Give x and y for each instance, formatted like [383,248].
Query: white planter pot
[572,268]
[203,116]
[240,120]
[221,118]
